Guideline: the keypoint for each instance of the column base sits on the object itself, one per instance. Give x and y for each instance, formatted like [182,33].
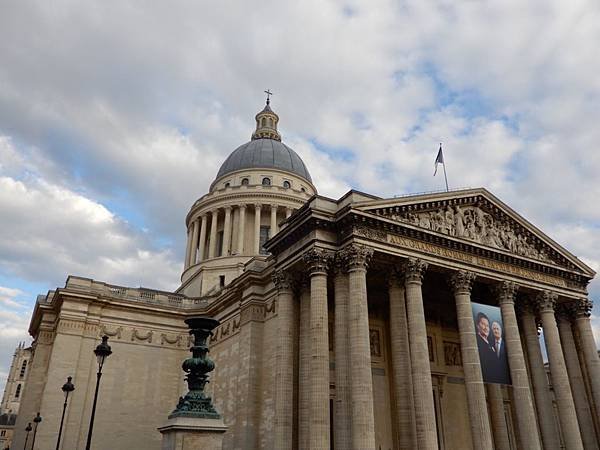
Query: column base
[191,433]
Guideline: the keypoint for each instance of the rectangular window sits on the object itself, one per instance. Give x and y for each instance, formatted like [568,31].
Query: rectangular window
[265,234]
[23,367]
[220,243]
[18,391]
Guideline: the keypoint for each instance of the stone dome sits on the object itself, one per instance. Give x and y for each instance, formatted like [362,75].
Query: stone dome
[267,154]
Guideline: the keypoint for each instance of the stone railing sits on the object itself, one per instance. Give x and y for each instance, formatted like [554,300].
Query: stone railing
[141,294]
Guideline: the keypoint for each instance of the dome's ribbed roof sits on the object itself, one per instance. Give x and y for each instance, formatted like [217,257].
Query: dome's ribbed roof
[267,154]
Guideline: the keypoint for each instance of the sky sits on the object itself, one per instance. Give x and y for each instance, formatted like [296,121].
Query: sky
[115,117]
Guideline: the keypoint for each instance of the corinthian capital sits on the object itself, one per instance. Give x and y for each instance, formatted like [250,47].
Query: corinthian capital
[414,269]
[506,292]
[584,308]
[462,281]
[282,280]
[356,256]
[317,260]
[546,301]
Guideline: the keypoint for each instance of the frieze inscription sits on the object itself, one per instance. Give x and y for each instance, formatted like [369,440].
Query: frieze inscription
[474,260]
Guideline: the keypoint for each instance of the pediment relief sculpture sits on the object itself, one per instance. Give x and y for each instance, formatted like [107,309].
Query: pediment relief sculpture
[474,224]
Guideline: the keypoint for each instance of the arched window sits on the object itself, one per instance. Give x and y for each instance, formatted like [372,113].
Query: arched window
[287,184]
[266,181]
[263,122]
[18,391]
[302,189]
[270,122]
[227,185]
[245,181]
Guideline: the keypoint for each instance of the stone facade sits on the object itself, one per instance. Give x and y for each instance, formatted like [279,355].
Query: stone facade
[354,330]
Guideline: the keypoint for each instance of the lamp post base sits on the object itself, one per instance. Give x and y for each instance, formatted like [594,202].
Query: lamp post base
[191,433]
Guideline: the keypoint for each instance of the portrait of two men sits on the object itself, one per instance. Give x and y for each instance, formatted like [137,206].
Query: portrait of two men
[489,330]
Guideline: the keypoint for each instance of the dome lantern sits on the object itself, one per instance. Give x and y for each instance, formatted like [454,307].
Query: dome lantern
[266,122]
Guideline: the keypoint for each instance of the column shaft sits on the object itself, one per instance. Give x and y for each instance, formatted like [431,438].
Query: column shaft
[212,245]
[419,353]
[284,380]
[476,402]
[560,381]
[257,209]
[342,437]
[526,423]
[498,419]
[590,351]
[401,367]
[361,380]
[582,406]
[188,248]
[201,244]
[241,230]
[273,220]
[304,375]
[288,212]
[227,232]
[194,244]
[543,401]
[318,389]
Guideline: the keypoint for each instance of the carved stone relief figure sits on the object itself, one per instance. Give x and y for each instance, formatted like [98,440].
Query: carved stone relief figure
[473,223]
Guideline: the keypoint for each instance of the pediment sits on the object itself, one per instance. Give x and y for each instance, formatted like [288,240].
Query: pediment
[476,216]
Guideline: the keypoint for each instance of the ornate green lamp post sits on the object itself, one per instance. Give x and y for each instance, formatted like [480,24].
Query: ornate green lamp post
[196,403]
[36,420]
[102,352]
[67,388]
[28,429]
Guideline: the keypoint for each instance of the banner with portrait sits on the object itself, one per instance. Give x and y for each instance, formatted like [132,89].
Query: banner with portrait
[489,331]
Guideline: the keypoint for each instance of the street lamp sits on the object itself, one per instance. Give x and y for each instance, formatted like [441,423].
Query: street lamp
[67,388]
[37,419]
[28,429]
[102,352]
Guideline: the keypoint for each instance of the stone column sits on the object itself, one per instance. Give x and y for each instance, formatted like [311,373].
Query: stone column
[284,379]
[419,354]
[256,248]
[273,220]
[317,261]
[227,232]
[212,245]
[401,367]
[288,212]
[188,248]
[582,406]
[589,350]
[342,437]
[199,246]
[498,419]
[526,423]
[539,380]
[481,435]
[194,244]
[304,373]
[560,381]
[361,381]
[241,230]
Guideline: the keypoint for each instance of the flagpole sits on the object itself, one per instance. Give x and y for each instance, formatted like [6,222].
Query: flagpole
[445,177]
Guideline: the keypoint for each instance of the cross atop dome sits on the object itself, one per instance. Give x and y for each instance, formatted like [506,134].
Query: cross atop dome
[266,122]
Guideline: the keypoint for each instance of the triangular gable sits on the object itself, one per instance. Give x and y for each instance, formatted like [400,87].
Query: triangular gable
[478,217]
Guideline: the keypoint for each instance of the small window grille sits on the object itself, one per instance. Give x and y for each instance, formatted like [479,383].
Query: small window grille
[266,181]
[287,184]
[23,368]
[245,181]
